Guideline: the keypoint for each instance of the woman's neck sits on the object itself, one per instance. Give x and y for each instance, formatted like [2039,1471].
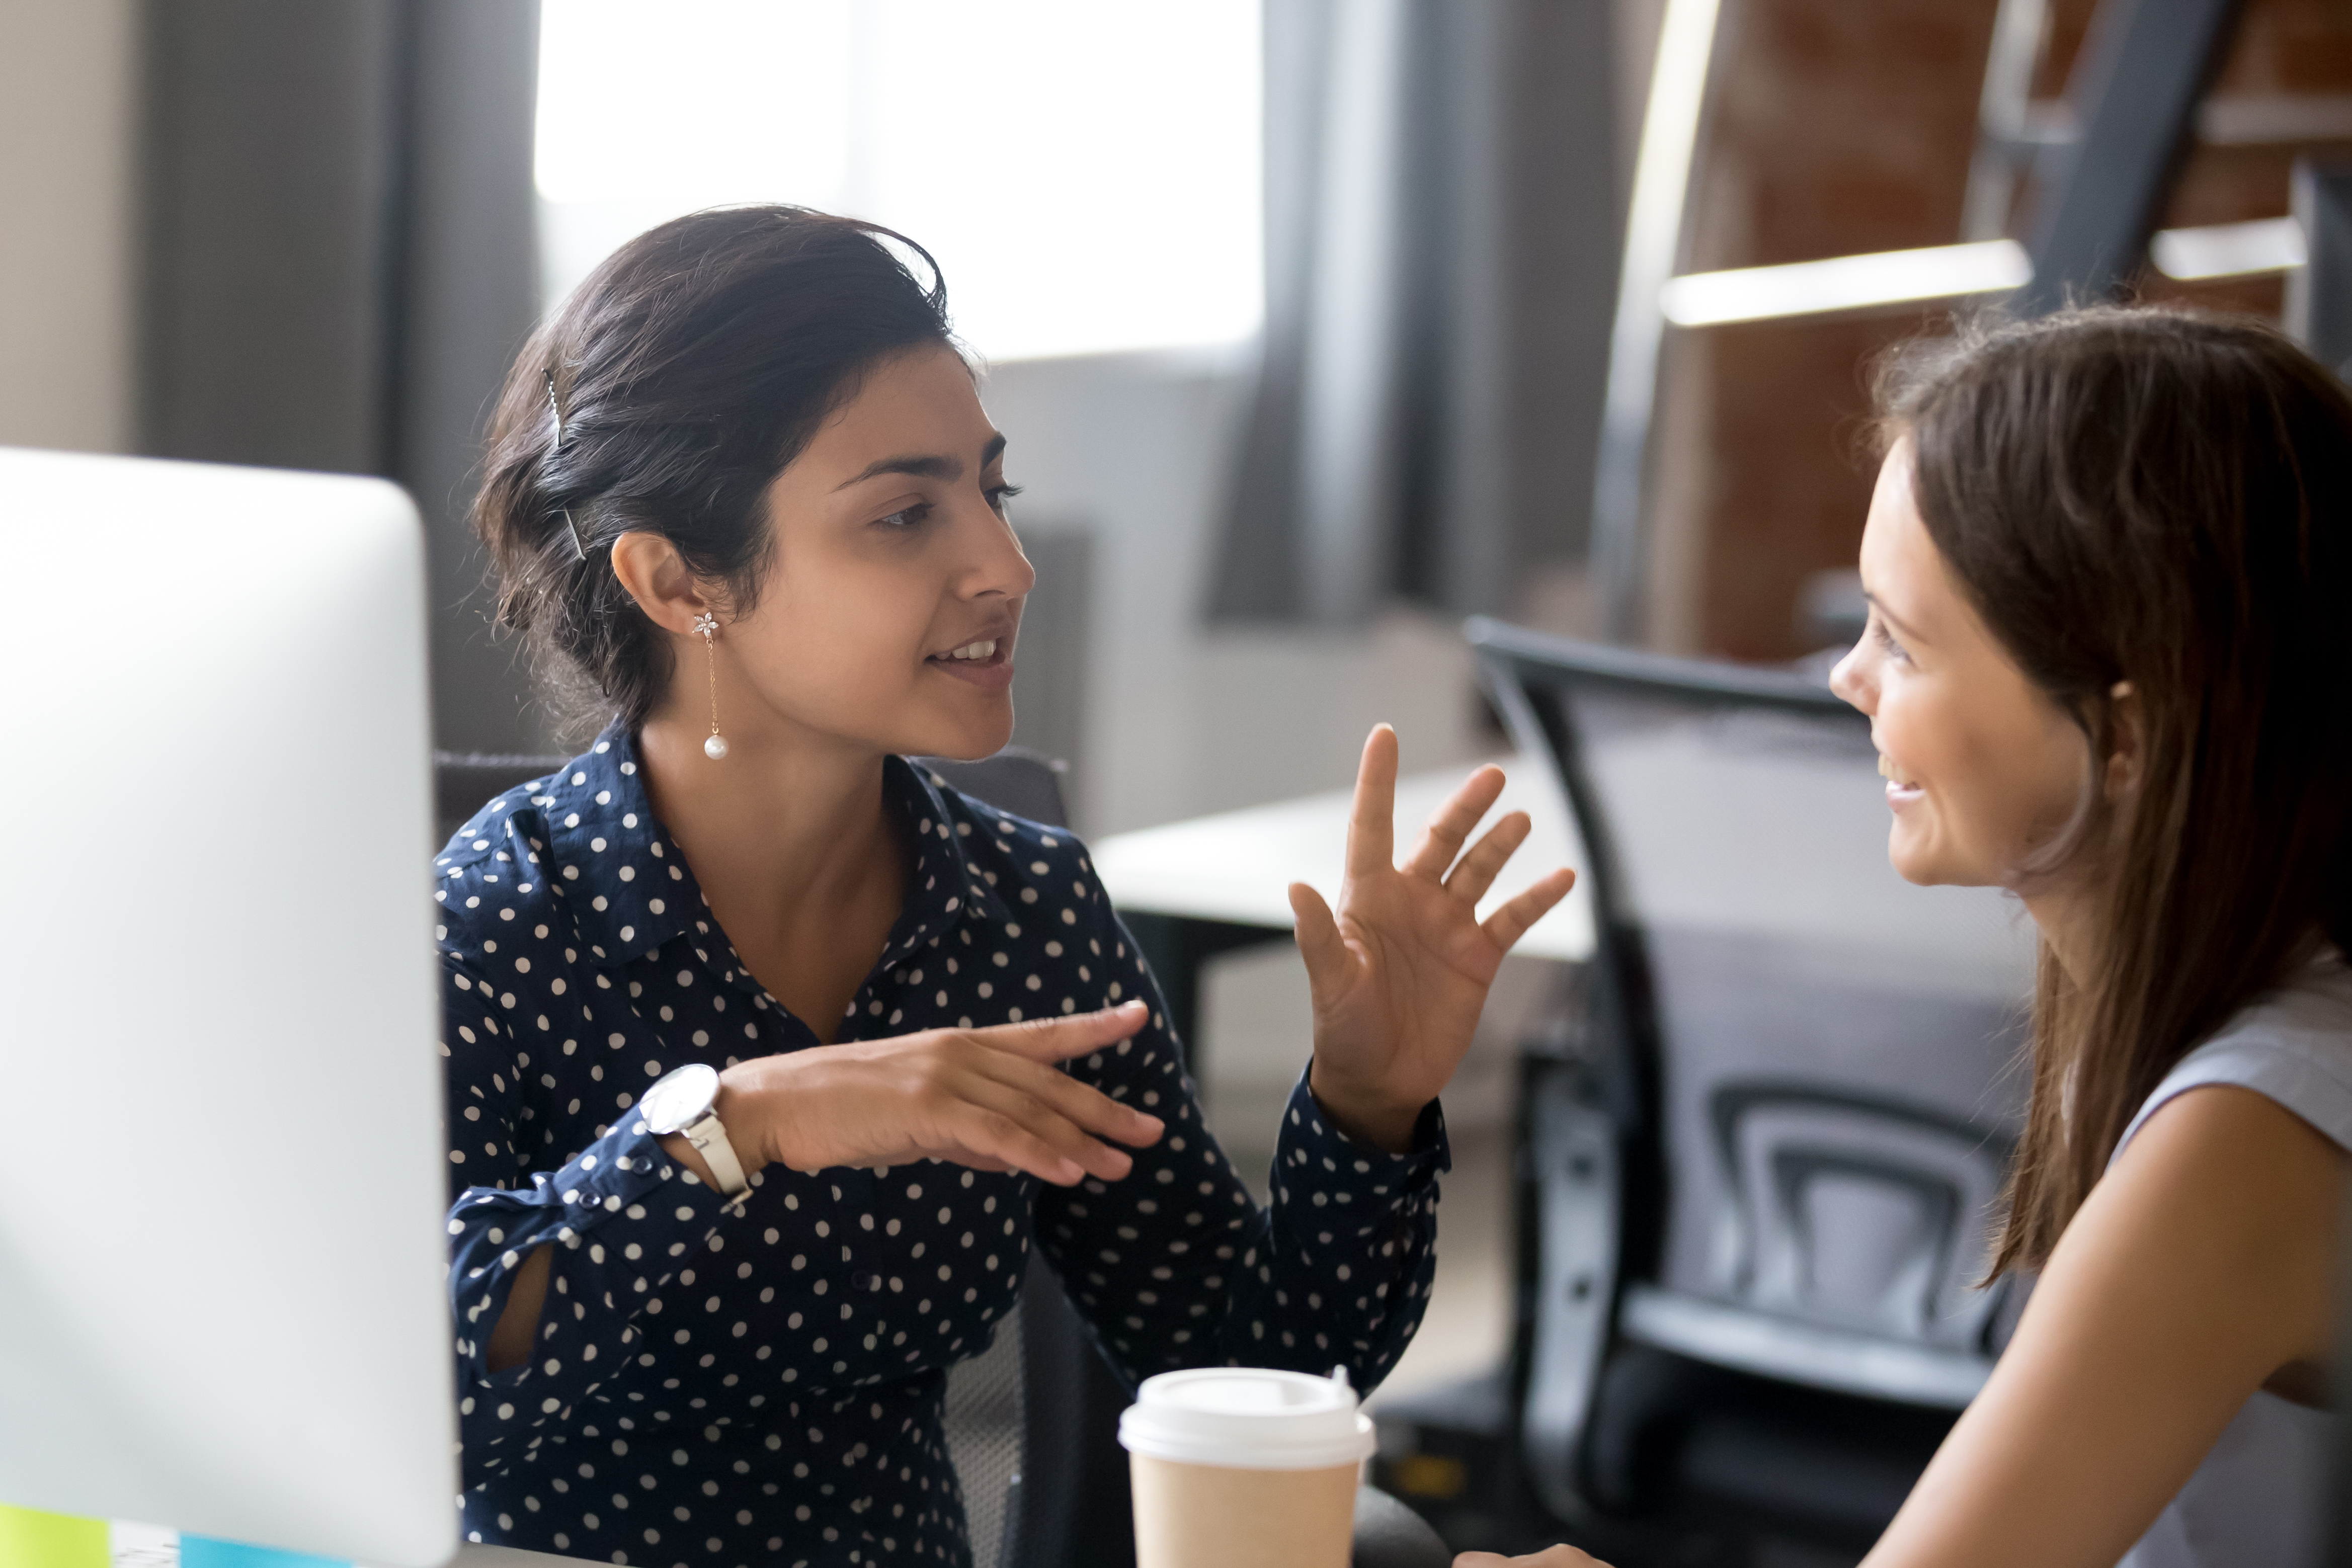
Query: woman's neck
[2066,914]
[792,841]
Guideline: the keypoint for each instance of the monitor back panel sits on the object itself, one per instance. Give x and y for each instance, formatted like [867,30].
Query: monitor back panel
[221,1240]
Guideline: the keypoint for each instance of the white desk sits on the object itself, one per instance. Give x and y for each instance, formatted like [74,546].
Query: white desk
[1235,867]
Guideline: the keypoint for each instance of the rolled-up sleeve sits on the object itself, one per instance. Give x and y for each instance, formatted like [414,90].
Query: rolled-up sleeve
[623,1220]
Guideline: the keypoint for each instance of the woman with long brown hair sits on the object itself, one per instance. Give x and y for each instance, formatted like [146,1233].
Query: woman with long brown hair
[2109,667]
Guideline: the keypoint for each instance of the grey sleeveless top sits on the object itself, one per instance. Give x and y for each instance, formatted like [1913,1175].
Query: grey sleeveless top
[2259,1501]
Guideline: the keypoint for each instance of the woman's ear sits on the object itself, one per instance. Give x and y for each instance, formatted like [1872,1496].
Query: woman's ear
[649,569]
[2126,740]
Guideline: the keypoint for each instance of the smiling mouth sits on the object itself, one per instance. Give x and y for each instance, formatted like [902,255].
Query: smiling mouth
[1896,779]
[984,662]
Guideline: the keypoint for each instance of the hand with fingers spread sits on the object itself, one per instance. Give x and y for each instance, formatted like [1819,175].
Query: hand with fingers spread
[1399,968]
[991,1099]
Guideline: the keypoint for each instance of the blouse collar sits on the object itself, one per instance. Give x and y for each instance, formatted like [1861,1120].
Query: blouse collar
[630,890]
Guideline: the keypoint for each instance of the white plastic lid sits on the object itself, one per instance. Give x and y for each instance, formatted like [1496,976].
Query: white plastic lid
[1247,1418]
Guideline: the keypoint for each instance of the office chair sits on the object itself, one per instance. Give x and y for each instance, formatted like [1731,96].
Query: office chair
[1031,1421]
[1757,1173]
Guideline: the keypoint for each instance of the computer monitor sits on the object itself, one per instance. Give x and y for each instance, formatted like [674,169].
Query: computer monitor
[221,1187]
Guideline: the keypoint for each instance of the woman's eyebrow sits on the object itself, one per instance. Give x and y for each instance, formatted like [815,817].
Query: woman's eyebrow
[924,466]
[1894,619]
[921,467]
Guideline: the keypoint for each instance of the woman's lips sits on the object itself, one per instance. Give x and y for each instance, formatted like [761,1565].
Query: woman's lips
[993,673]
[1901,790]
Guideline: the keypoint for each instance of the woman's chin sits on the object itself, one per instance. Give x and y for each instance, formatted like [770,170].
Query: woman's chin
[967,741]
[1923,861]
[1914,856]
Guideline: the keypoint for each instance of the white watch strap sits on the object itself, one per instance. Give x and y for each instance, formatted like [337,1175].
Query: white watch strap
[709,1136]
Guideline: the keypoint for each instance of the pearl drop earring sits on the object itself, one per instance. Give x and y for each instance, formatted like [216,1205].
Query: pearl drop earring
[707,623]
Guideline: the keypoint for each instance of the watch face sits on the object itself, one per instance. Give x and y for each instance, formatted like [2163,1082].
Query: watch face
[679,1099]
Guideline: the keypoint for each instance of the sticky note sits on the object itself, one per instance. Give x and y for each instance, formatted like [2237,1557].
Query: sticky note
[30,1539]
[204,1551]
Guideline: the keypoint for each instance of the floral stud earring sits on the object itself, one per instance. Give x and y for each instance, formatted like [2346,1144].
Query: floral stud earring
[707,623]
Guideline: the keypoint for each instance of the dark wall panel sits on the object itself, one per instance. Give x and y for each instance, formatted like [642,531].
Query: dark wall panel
[271,211]
[339,263]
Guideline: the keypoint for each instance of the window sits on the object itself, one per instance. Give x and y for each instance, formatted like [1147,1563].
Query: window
[1087,173]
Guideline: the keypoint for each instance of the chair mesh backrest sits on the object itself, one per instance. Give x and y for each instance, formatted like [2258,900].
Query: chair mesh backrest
[986,1396]
[1835,1047]
[984,1425]
[465,781]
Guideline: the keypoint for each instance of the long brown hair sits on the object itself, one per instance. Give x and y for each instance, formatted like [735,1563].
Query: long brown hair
[2161,498]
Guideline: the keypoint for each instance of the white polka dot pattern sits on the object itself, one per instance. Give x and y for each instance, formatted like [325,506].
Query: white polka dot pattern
[715,1387]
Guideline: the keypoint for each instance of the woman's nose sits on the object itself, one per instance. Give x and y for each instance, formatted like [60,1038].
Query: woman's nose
[1847,680]
[999,566]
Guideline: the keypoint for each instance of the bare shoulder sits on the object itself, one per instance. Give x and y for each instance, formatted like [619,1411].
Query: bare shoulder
[2230,1141]
[2224,1194]
[2200,1265]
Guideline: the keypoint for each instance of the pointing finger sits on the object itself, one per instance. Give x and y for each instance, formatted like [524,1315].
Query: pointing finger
[1060,1038]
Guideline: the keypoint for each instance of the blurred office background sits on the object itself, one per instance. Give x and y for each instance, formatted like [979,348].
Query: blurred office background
[1298,313]
[1315,325]
[265,231]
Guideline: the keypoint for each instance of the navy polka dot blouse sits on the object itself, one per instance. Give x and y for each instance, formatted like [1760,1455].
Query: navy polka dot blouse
[710,1386]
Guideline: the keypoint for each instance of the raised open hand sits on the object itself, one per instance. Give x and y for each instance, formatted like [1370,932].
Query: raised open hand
[1401,971]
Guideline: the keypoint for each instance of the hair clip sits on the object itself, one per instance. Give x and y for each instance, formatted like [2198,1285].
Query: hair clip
[571,527]
[556,409]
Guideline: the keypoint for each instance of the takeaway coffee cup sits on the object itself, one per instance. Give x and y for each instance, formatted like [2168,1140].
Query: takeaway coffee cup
[1242,1468]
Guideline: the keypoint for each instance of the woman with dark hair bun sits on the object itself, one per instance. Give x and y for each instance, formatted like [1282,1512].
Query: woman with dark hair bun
[770,1055]
[2107,666]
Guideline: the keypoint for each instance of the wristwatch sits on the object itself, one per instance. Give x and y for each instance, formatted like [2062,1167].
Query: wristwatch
[683,1102]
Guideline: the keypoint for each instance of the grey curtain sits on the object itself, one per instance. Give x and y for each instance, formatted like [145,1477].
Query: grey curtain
[340,261]
[1442,235]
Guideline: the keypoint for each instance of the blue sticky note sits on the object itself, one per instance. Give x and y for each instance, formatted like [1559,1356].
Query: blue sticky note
[204,1551]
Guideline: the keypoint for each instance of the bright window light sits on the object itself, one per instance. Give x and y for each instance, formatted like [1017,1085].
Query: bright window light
[1087,175]
[1845,283]
[2227,250]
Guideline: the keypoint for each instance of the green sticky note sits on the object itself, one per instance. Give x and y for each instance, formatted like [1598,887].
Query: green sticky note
[30,1539]
[204,1551]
